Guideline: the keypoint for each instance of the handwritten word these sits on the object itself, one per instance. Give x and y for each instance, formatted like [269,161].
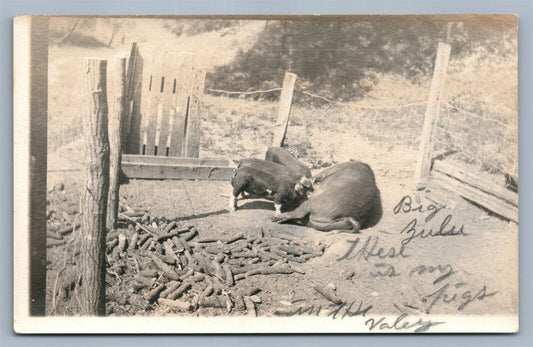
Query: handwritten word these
[413,230]
[371,249]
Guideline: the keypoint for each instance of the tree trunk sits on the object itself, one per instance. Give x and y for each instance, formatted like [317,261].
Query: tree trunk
[113,34]
[115,132]
[94,197]
[71,30]
[286,47]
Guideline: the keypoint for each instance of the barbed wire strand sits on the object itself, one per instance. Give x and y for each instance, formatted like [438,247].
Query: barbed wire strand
[450,105]
[322,97]
[457,125]
[386,107]
[243,93]
[377,107]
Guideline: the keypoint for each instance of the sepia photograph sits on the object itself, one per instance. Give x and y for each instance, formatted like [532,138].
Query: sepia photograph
[266,174]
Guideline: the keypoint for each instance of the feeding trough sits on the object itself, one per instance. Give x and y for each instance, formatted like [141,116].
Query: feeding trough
[178,168]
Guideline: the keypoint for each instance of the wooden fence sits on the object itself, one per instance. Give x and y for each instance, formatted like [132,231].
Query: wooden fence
[164,95]
[165,91]
[164,107]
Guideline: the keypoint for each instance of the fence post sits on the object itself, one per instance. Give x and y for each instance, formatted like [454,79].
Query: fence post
[136,85]
[94,197]
[285,103]
[431,117]
[130,89]
[115,131]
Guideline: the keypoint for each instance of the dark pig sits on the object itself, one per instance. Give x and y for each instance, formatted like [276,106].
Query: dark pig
[302,183]
[346,198]
[260,183]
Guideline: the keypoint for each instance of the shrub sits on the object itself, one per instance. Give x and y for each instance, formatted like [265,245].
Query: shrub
[339,59]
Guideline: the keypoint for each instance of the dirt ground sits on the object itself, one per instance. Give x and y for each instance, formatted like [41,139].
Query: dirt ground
[470,268]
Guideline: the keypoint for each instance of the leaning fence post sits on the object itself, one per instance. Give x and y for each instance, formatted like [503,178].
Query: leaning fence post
[130,90]
[285,103]
[94,197]
[116,121]
[431,117]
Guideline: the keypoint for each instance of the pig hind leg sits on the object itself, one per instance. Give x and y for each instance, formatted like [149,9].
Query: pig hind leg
[298,214]
[343,223]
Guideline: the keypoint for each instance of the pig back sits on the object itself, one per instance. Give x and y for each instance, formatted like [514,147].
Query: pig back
[283,157]
[274,169]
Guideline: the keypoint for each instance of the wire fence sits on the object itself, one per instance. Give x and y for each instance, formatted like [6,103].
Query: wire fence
[485,140]
[302,91]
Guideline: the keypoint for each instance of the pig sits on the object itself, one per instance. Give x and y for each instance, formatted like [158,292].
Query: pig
[283,157]
[346,198]
[260,182]
[302,183]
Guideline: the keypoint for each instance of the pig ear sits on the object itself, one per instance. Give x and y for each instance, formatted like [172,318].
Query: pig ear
[306,182]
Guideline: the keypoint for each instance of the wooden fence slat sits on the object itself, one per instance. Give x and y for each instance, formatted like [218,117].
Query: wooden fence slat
[158,128]
[166,103]
[476,181]
[156,108]
[285,103]
[432,114]
[133,140]
[183,74]
[94,197]
[116,118]
[490,202]
[173,114]
[146,101]
[191,146]
[130,88]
